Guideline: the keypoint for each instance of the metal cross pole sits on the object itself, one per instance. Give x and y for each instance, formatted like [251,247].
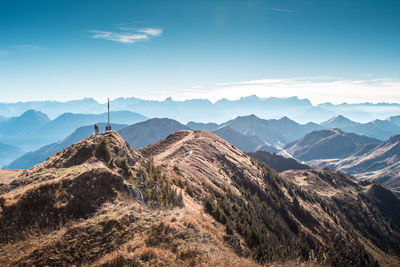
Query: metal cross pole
[108,111]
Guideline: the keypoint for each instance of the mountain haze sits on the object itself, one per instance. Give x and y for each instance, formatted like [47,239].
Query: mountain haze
[30,159]
[204,111]
[380,129]
[8,153]
[150,131]
[274,132]
[330,144]
[25,124]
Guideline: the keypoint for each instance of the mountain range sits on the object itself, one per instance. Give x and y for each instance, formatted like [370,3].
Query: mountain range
[361,156]
[202,110]
[190,199]
[381,129]
[330,144]
[30,159]
[248,133]
[139,135]
[273,132]
[34,129]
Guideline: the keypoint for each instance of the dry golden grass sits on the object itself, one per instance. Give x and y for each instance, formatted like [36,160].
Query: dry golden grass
[101,223]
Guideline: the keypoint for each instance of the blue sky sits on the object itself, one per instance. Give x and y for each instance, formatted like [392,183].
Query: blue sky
[323,50]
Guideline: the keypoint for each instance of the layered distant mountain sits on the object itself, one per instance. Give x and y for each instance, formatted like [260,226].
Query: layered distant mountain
[394,119]
[380,162]
[68,122]
[274,132]
[34,129]
[26,124]
[30,159]
[340,122]
[52,108]
[202,110]
[241,141]
[150,131]
[330,144]
[211,126]
[278,162]
[362,156]
[8,153]
[381,129]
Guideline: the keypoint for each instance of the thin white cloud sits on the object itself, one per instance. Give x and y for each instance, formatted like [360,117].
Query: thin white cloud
[4,52]
[29,47]
[127,36]
[151,31]
[281,10]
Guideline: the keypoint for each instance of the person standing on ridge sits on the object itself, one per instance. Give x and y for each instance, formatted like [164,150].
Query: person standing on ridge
[96,129]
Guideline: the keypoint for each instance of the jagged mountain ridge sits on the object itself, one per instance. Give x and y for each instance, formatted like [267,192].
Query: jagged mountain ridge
[380,129]
[202,110]
[330,144]
[189,155]
[274,132]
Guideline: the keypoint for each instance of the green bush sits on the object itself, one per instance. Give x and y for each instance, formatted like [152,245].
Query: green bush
[122,162]
[102,151]
[158,190]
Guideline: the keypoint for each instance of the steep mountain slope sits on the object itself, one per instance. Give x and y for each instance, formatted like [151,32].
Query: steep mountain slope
[150,131]
[381,163]
[274,132]
[234,188]
[99,203]
[330,144]
[278,162]
[30,159]
[25,124]
[190,199]
[8,153]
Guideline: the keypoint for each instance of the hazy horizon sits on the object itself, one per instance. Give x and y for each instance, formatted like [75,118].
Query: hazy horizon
[331,51]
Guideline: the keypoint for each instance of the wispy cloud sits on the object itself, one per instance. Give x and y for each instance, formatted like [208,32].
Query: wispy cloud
[126,35]
[5,52]
[20,48]
[281,10]
[29,47]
